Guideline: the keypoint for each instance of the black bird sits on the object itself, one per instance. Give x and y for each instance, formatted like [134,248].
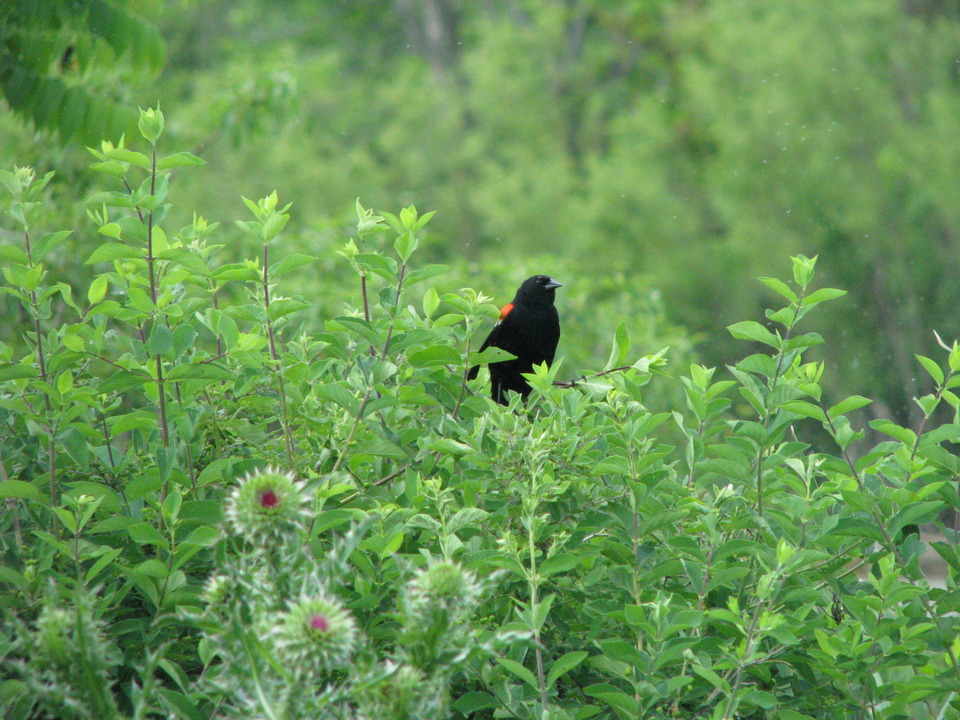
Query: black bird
[529,328]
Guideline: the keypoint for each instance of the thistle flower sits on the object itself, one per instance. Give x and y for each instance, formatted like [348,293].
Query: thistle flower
[266,504]
[315,635]
[442,586]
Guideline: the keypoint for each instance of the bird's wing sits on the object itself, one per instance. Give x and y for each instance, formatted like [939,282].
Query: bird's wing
[492,337]
[490,341]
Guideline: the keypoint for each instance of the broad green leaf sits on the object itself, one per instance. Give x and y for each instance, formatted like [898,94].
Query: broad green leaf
[564,664]
[854,402]
[519,670]
[291,262]
[146,534]
[97,290]
[129,156]
[160,341]
[20,489]
[108,252]
[180,159]
[801,407]
[779,287]
[431,301]
[932,369]
[711,677]
[751,330]
[435,355]
[561,562]
[887,427]
[18,372]
[200,371]
[621,347]
[187,259]
[474,701]
[821,295]
[626,705]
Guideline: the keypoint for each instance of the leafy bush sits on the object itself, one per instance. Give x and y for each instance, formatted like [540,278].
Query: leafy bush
[209,516]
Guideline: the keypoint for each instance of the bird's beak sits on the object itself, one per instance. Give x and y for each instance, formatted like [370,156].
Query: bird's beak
[551,284]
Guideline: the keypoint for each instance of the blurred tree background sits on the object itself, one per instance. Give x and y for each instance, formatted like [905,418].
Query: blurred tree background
[655,155]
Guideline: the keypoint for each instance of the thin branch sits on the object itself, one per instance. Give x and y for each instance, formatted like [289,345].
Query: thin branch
[584,378]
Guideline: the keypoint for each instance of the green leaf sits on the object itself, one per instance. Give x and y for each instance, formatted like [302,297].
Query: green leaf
[475,701]
[561,562]
[887,427]
[200,371]
[801,407]
[18,372]
[803,269]
[821,295]
[490,355]
[14,254]
[160,341]
[285,306]
[932,369]
[186,259]
[621,347]
[626,705]
[152,568]
[129,156]
[435,355]
[520,671]
[102,562]
[711,677]
[760,698]
[622,651]
[203,536]
[431,301]
[291,262]
[405,245]
[146,534]
[108,252]
[47,243]
[97,290]
[180,159]
[20,489]
[425,273]
[854,402]
[779,287]
[564,664]
[449,446]
[751,330]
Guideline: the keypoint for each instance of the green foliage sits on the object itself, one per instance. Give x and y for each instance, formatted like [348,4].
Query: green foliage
[50,52]
[213,514]
[671,145]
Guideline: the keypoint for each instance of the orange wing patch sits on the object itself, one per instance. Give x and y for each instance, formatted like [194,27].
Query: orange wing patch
[506,310]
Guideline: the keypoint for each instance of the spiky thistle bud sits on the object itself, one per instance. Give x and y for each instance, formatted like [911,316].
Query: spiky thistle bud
[55,630]
[443,587]
[216,590]
[315,635]
[266,504]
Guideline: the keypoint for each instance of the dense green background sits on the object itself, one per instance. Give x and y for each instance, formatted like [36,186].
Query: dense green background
[655,155]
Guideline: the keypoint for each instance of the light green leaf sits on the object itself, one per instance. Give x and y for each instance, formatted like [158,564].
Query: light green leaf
[752,330]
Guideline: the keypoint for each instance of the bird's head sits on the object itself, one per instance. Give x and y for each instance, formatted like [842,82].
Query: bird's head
[538,289]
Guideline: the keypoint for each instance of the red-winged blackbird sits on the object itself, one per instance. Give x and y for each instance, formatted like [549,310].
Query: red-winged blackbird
[529,328]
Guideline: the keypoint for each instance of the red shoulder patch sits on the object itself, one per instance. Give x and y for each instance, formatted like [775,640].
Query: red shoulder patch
[506,310]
